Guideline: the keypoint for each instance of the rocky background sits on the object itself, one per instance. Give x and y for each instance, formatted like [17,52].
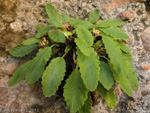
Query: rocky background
[18,19]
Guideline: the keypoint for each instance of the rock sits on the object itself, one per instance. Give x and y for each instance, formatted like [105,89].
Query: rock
[116,4]
[3,103]
[7,18]
[16,26]
[130,40]
[128,14]
[130,102]
[10,68]
[3,92]
[18,19]
[136,95]
[145,36]
[144,67]
[14,107]
[117,91]
[84,4]
[146,89]
[145,92]
[72,2]
[8,5]
[4,81]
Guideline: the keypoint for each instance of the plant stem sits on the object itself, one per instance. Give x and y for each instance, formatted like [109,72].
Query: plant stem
[74,57]
[105,58]
[52,45]
[64,54]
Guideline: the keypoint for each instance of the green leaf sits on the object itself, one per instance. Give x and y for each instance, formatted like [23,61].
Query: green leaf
[106,75]
[75,21]
[115,32]
[131,75]
[38,27]
[115,55]
[101,90]
[87,105]
[89,68]
[31,41]
[68,48]
[19,74]
[109,23]
[85,24]
[52,12]
[85,34]
[57,36]
[97,44]
[82,45]
[53,75]
[31,70]
[108,96]
[54,18]
[67,34]
[64,18]
[128,57]
[94,16]
[75,92]
[78,22]
[42,31]
[123,46]
[56,23]
[22,50]
[37,66]
[124,83]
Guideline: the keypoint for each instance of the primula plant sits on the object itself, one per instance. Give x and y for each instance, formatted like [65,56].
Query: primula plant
[79,56]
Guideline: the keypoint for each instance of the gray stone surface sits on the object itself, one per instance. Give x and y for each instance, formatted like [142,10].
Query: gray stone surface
[18,19]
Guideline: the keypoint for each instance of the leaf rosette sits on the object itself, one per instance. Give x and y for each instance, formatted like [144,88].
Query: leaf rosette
[77,57]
